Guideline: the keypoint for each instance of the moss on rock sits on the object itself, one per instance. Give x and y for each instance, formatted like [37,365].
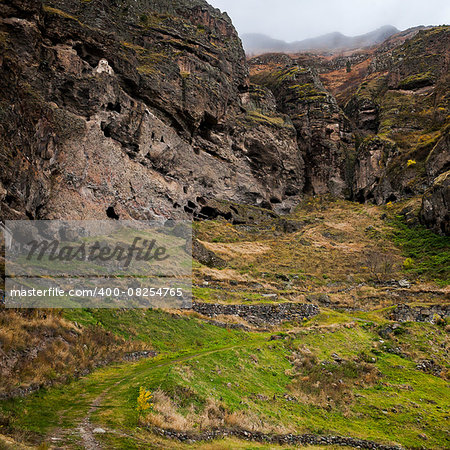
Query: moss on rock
[417,81]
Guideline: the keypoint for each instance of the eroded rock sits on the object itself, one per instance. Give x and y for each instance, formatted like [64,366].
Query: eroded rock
[435,212]
[167,121]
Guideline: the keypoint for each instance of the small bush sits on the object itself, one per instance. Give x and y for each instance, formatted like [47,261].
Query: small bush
[408,263]
[379,265]
[143,400]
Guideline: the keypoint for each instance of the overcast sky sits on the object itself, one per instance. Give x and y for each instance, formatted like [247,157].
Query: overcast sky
[292,20]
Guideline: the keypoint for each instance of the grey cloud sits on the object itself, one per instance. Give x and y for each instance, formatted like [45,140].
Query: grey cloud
[292,20]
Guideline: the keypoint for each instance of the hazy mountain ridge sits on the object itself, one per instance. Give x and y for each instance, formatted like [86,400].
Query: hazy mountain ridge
[255,43]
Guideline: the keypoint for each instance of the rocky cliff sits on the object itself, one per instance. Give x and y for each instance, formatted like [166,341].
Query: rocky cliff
[134,109]
[401,110]
[146,109]
[378,132]
[324,133]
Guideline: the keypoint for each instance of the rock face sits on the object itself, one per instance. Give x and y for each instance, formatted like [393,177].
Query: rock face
[401,111]
[144,109]
[373,155]
[205,256]
[435,212]
[152,119]
[324,134]
[438,161]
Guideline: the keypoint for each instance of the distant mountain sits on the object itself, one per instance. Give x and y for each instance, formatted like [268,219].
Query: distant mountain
[260,43]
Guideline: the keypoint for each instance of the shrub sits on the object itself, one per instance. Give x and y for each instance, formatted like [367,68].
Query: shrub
[143,400]
[408,263]
[380,265]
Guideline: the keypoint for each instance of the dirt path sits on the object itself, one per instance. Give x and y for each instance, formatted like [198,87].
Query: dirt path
[86,428]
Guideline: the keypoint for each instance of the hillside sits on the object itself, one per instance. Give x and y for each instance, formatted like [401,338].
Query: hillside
[318,191]
[359,368]
[394,100]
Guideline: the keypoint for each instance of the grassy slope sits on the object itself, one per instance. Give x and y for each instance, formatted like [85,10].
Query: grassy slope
[165,333]
[341,247]
[398,405]
[207,375]
[430,253]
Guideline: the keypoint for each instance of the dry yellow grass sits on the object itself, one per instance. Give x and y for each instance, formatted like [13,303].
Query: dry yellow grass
[38,346]
[223,275]
[7,443]
[341,250]
[232,250]
[165,415]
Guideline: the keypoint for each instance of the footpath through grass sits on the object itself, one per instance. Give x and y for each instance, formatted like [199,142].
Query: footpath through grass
[325,378]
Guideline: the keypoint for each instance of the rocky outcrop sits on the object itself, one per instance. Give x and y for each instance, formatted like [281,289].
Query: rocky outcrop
[436,200]
[206,256]
[370,183]
[401,111]
[324,134]
[321,63]
[134,109]
[260,314]
[438,161]
[430,366]
[364,111]
[364,106]
[435,212]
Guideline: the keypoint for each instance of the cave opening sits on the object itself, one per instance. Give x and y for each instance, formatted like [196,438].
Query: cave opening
[111,213]
[114,107]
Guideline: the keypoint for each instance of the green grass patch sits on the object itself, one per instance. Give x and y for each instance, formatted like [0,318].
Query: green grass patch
[430,252]
[163,331]
[254,376]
